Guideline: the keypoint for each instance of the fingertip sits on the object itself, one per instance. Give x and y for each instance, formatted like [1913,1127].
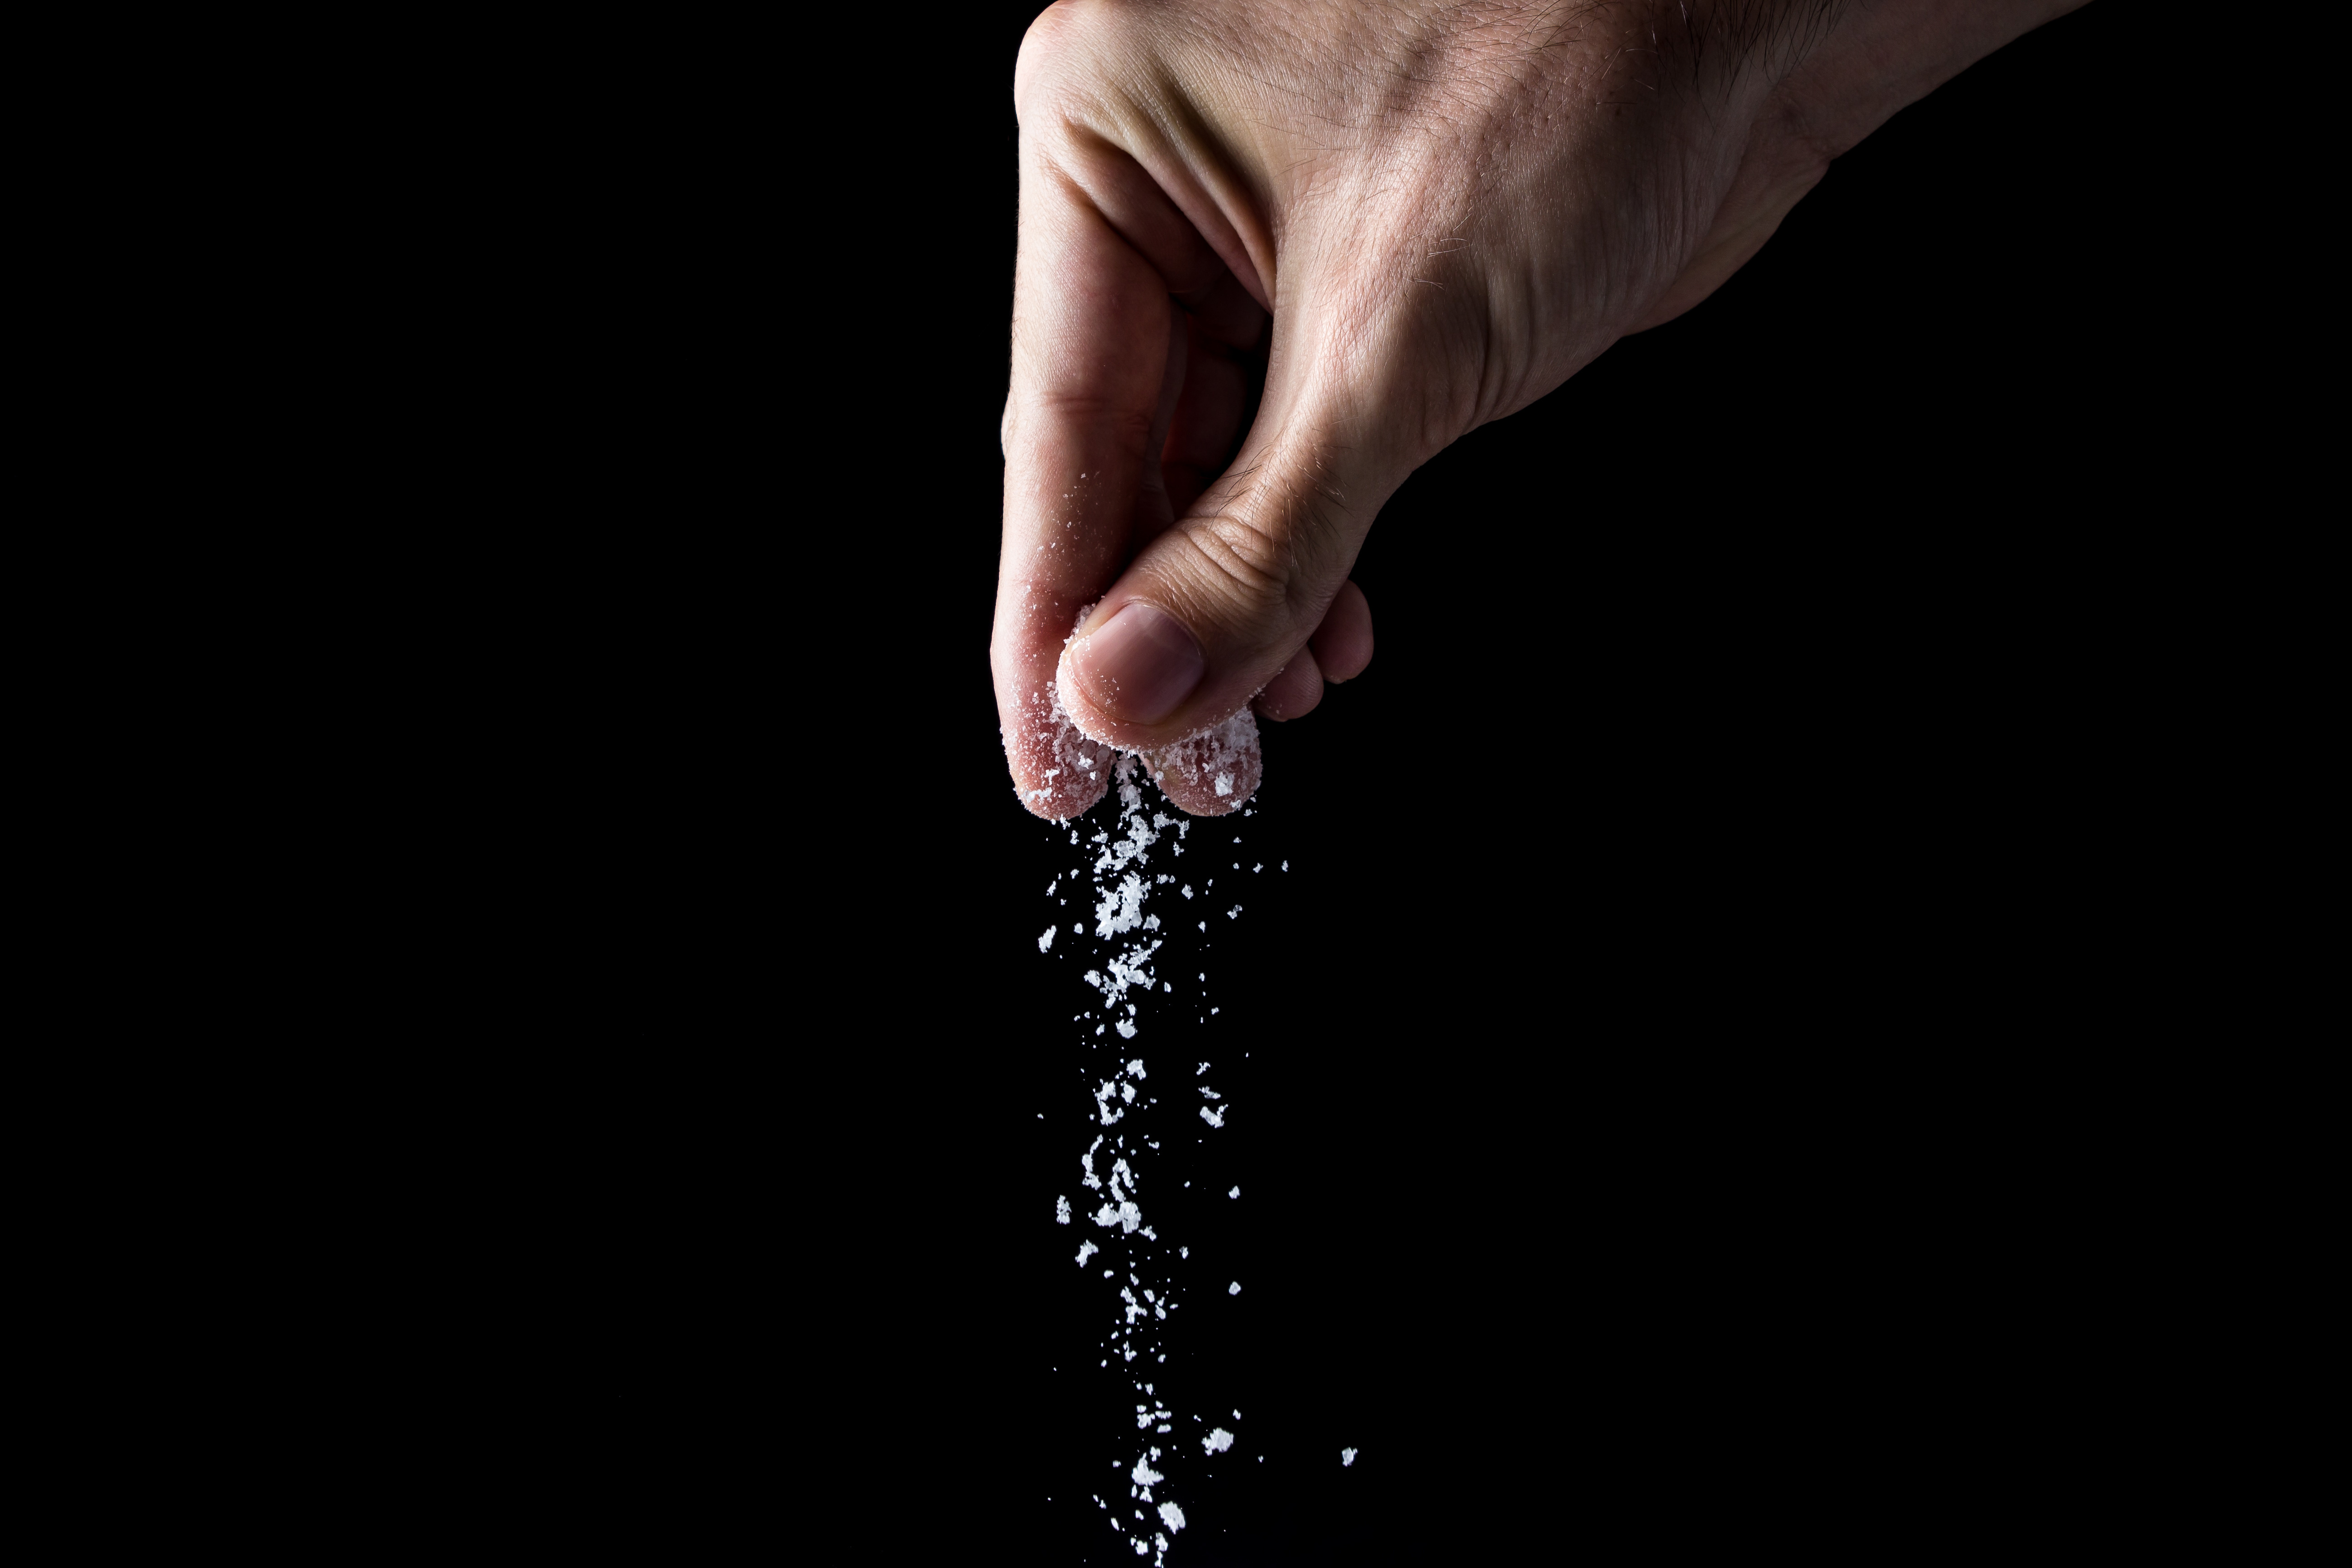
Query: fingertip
[1343,643]
[1057,771]
[1131,668]
[1293,692]
[1213,773]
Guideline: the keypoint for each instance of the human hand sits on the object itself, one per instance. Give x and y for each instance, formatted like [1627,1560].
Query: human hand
[1401,221]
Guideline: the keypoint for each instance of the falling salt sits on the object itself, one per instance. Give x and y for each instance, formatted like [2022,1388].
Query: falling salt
[1125,863]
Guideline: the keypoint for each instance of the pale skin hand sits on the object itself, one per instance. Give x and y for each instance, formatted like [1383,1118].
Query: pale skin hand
[1407,219]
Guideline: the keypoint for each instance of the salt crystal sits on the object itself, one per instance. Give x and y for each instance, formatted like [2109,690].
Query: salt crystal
[1346,1456]
[1218,775]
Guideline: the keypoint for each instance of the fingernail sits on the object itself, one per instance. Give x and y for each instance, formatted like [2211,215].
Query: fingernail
[1139,665]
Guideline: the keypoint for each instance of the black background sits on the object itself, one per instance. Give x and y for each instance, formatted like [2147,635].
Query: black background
[1649,1053]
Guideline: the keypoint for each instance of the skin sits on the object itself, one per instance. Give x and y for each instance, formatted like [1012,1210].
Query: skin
[1275,255]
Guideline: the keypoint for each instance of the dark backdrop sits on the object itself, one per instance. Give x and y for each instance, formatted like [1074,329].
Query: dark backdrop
[1641,1051]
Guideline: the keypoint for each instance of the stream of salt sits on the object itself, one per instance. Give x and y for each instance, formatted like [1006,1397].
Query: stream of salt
[1133,1007]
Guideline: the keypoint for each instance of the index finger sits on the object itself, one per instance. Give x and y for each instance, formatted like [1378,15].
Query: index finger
[1097,364]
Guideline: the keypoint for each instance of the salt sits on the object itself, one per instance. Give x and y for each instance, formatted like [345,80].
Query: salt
[1212,774]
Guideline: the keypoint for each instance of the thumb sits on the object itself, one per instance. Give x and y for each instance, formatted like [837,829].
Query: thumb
[1218,610]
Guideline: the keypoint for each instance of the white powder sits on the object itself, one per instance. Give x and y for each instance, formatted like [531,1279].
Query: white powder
[1346,1456]
[1124,864]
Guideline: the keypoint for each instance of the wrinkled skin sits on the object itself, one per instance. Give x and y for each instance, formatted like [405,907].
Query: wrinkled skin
[1399,220]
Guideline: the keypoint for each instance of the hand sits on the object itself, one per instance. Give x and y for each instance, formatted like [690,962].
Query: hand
[1275,255]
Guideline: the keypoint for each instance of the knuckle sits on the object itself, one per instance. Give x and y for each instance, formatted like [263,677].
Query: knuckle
[1252,562]
[1122,420]
[1066,38]
[1247,566]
